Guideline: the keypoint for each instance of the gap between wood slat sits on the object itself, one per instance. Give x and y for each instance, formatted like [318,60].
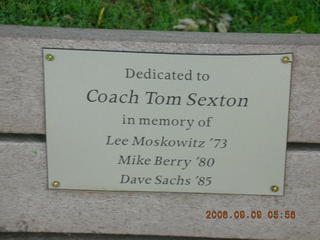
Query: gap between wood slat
[13,137]
[61,236]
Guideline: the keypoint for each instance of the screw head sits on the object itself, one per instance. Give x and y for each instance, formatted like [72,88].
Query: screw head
[49,57]
[55,184]
[285,59]
[274,188]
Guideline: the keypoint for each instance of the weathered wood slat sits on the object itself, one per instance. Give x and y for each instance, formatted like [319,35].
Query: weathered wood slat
[59,236]
[21,78]
[27,205]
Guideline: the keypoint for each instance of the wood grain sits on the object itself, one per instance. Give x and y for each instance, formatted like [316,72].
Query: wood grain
[27,205]
[21,78]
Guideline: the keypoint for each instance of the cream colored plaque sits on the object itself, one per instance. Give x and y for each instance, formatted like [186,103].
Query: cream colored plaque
[125,121]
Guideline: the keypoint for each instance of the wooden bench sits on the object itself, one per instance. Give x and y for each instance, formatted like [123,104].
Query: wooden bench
[27,205]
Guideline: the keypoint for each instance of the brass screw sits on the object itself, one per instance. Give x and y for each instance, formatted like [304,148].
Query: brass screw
[286,59]
[49,57]
[274,188]
[55,184]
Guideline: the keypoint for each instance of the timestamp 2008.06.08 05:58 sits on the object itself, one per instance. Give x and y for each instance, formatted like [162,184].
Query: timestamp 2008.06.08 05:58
[251,214]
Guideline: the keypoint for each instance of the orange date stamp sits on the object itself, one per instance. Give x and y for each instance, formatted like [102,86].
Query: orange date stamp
[250,214]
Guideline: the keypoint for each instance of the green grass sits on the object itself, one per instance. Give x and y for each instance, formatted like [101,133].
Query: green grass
[264,16]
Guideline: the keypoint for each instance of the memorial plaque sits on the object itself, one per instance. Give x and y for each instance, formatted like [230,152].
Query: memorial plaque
[128,121]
